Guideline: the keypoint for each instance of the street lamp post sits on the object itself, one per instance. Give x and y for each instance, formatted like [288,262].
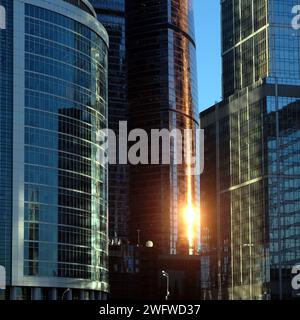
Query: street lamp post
[166,275]
[63,295]
[138,237]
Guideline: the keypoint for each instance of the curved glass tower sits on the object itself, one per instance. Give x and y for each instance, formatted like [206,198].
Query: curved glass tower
[162,94]
[54,195]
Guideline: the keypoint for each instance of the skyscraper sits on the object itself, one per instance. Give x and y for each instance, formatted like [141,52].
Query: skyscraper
[111,13]
[131,205]
[53,91]
[162,94]
[250,186]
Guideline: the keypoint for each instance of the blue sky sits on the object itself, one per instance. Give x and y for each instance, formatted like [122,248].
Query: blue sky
[207,22]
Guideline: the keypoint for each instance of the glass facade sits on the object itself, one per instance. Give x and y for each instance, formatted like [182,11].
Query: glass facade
[250,237]
[111,13]
[245,32]
[282,122]
[257,42]
[162,94]
[64,205]
[283,43]
[82,4]
[6,129]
